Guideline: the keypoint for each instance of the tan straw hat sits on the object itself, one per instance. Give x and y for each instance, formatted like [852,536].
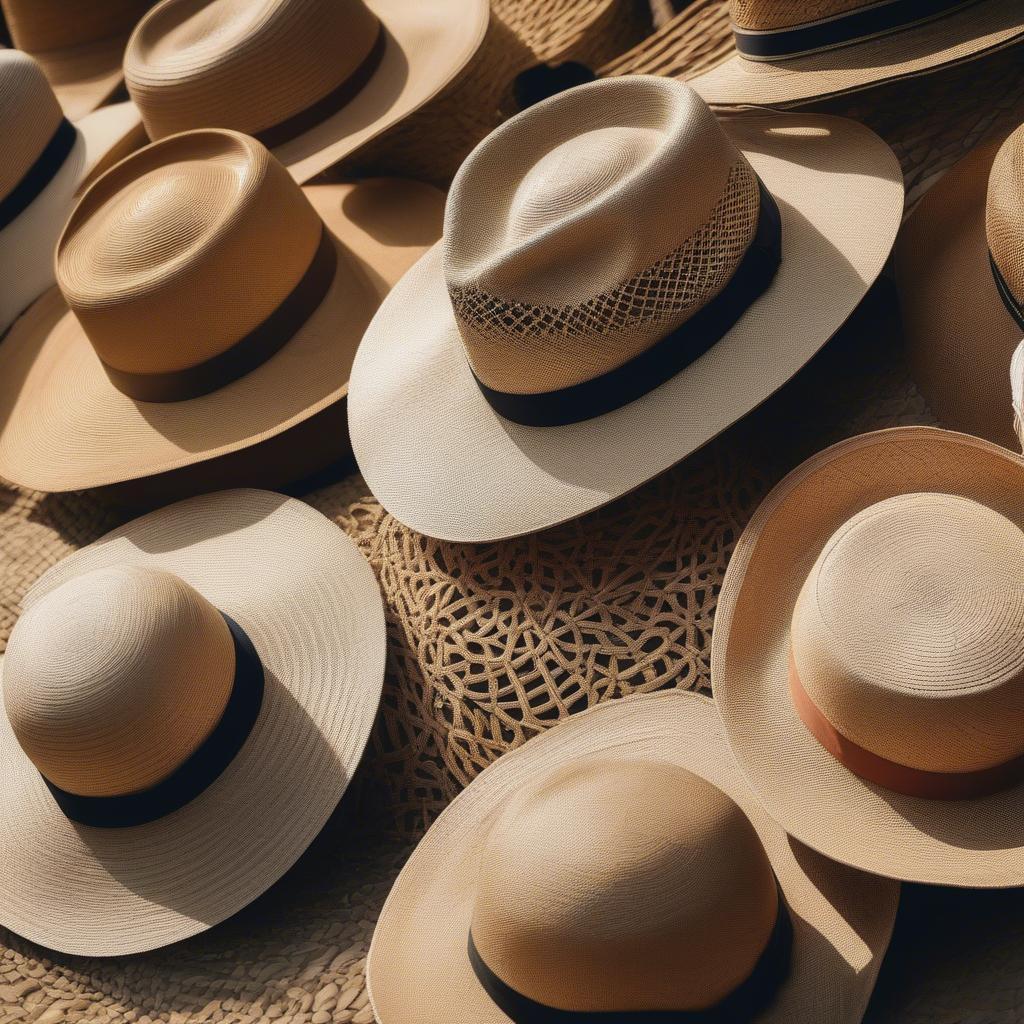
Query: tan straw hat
[312,79]
[621,277]
[80,46]
[213,305]
[503,914]
[176,730]
[797,50]
[868,656]
[960,268]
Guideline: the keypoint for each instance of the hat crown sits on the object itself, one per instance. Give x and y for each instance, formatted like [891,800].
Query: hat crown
[1004,213]
[29,116]
[668,904]
[586,228]
[773,14]
[183,249]
[114,678]
[42,25]
[248,65]
[909,633]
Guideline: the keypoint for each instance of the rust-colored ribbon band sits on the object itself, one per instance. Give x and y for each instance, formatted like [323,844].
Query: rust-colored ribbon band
[245,355]
[1013,307]
[311,116]
[858,25]
[899,778]
[744,1004]
[199,771]
[40,174]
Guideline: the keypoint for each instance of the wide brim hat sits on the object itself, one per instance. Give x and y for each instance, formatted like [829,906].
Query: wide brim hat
[967,32]
[419,969]
[64,425]
[442,461]
[102,891]
[967,842]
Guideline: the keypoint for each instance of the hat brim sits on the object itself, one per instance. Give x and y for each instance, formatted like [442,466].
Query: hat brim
[315,616]
[443,462]
[64,426]
[964,35]
[418,968]
[960,337]
[426,46]
[111,133]
[85,77]
[811,794]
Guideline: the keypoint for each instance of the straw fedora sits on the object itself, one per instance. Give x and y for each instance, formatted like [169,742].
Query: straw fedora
[44,162]
[960,268]
[867,656]
[177,730]
[313,79]
[213,305]
[686,896]
[584,325]
[80,46]
[800,50]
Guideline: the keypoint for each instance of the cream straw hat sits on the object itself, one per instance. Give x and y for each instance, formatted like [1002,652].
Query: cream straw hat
[868,656]
[312,79]
[622,276]
[684,897]
[176,726]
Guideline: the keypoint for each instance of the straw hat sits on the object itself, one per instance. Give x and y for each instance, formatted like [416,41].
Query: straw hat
[44,161]
[213,305]
[80,46]
[1017,391]
[960,268]
[501,908]
[511,380]
[312,79]
[177,730]
[867,656]
[798,50]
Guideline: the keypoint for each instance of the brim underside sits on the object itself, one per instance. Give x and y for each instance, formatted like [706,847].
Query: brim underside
[315,616]
[811,794]
[418,968]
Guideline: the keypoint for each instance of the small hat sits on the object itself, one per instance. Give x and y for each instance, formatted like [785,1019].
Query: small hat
[213,305]
[868,656]
[685,896]
[176,728]
[960,269]
[312,79]
[799,50]
[45,160]
[622,276]
[80,46]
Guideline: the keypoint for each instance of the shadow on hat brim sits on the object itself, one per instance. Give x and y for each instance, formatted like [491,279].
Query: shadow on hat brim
[111,133]
[64,426]
[960,337]
[443,462]
[426,46]
[107,892]
[86,77]
[811,794]
[418,969]
[978,29]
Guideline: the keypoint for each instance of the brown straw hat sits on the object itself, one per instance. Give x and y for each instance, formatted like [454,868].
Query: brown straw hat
[868,656]
[502,914]
[80,46]
[312,79]
[960,268]
[177,730]
[797,50]
[213,305]
[511,380]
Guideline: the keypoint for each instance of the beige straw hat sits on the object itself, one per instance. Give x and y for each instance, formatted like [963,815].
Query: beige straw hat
[960,268]
[312,79]
[176,730]
[503,914]
[868,656]
[213,305]
[797,50]
[80,46]
[511,380]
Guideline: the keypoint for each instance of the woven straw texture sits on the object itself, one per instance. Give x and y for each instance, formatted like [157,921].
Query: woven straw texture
[768,14]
